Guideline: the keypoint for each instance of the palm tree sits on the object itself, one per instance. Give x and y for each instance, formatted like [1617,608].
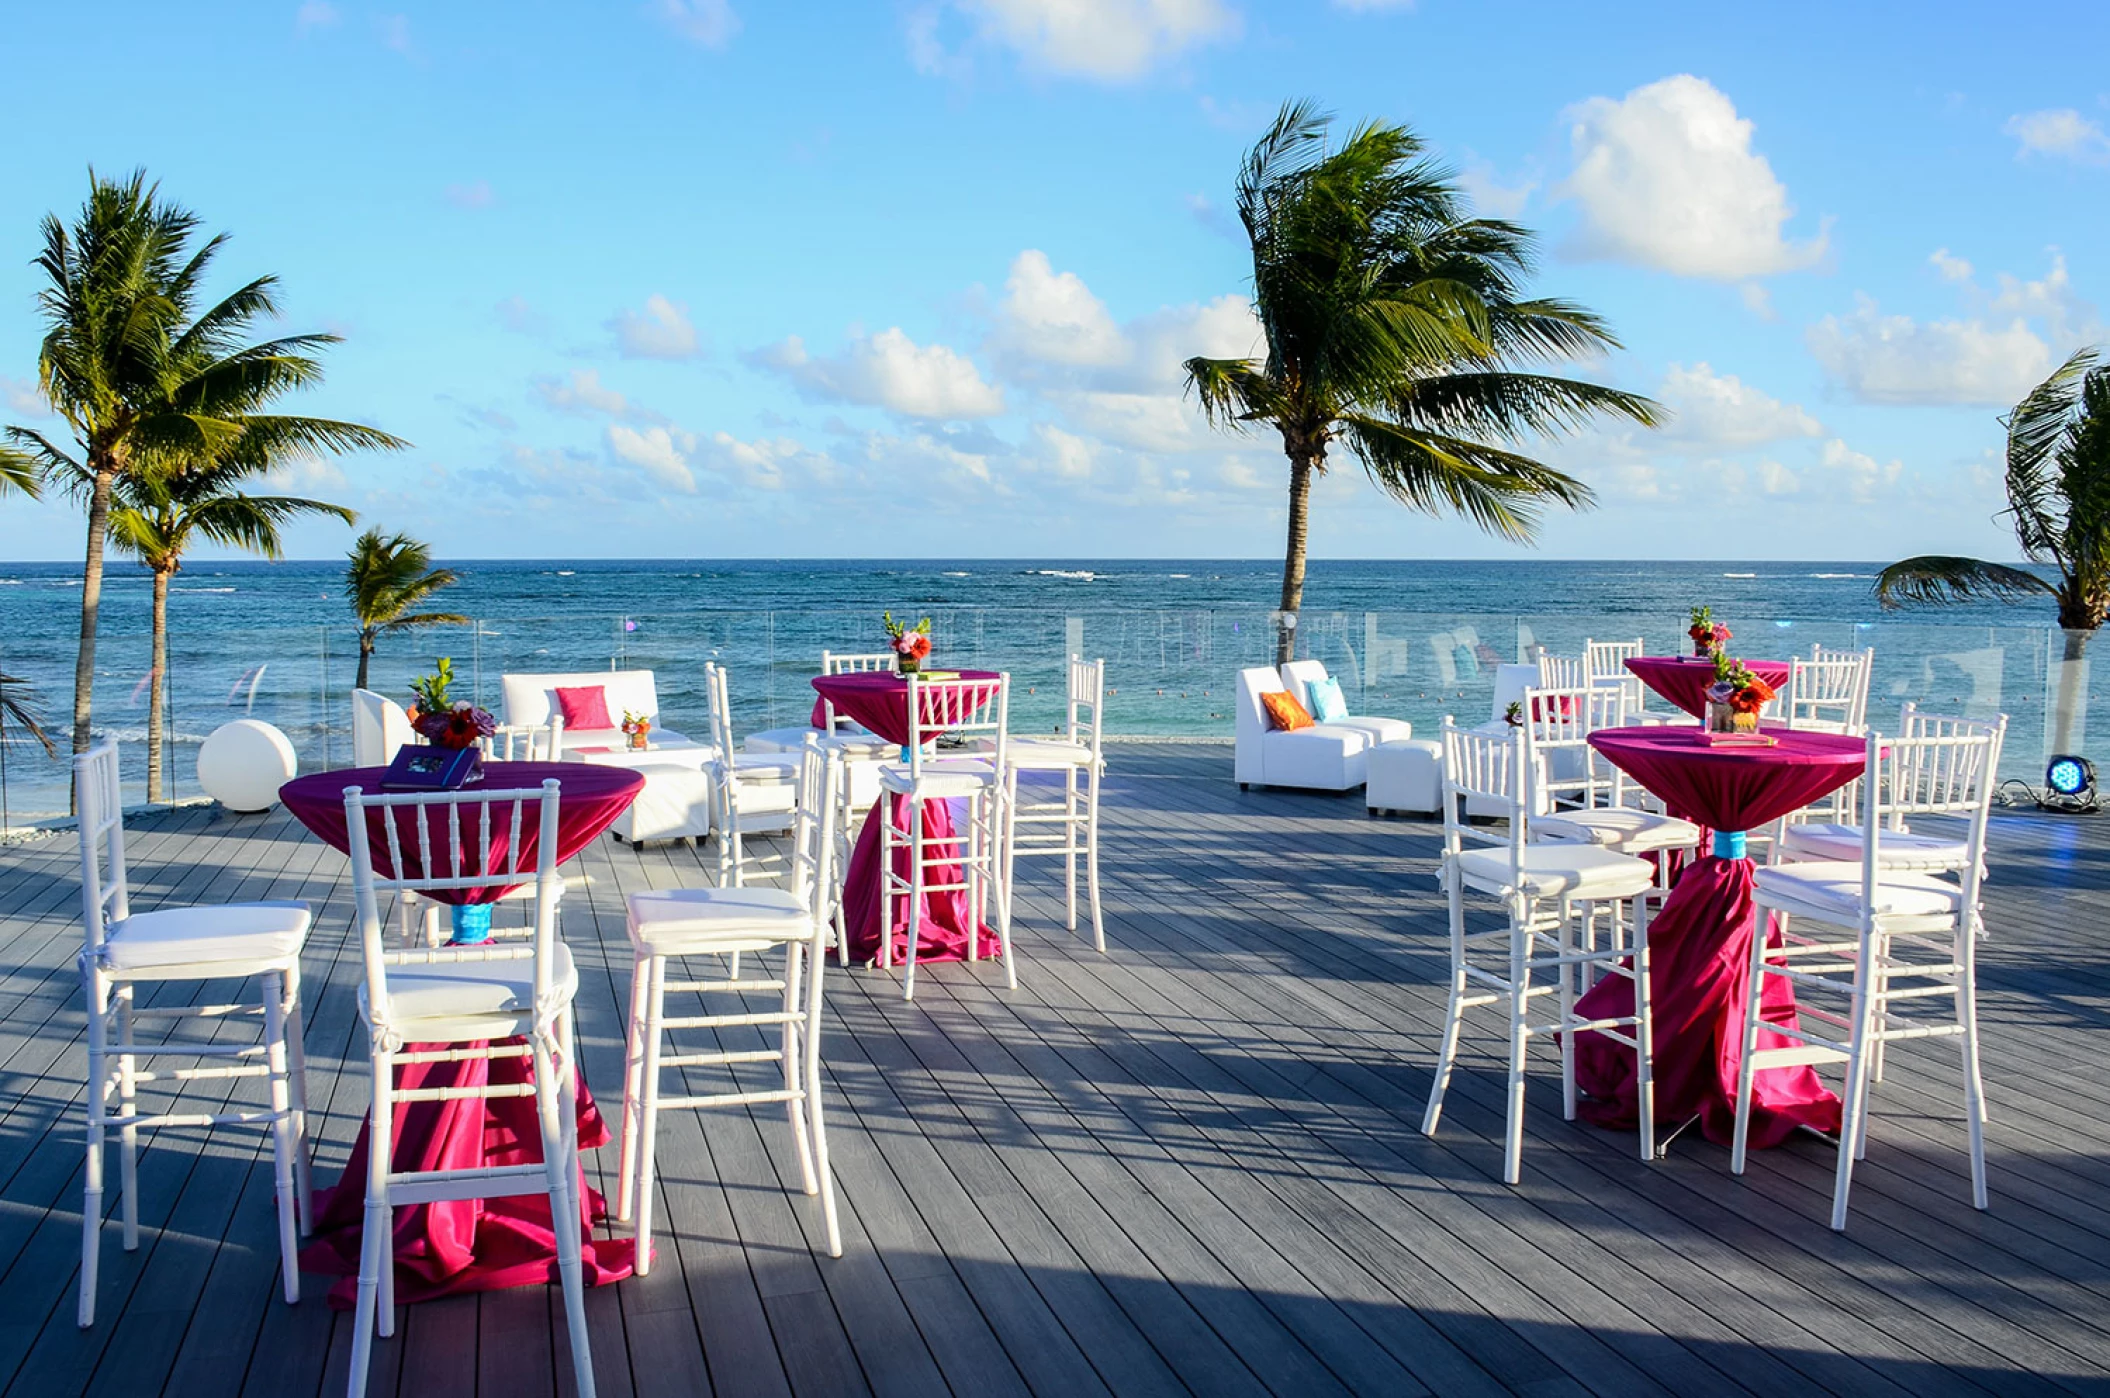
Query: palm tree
[2058,493]
[388,577]
[18,705]
[144,379]
[156,516]
[1395,325]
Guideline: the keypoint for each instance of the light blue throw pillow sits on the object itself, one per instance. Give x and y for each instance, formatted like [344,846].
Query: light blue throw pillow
[1327,705]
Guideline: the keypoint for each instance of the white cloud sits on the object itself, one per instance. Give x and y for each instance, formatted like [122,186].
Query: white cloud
[889,370]
[1722,412]
[661,453]
[515,314]
[1053,317]
[1758,300]
[1896,359]
[395,35]
[772,464]
[1951,267]
[313,478]
[1064,453]
[583,392]
[1862,475]
[1111,40]
[1491,196]
[1666,178]
[21,396]
[710,23]
[314,14]
[2059,131]
[1776,479]
[476,194]
[662,330]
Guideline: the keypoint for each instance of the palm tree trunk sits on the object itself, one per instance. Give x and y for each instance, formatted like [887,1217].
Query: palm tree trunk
[91,603]
[2067,713]
[1301,467]
[157,685]
[366,652]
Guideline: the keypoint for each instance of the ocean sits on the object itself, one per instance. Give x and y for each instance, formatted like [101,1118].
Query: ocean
[1415,639]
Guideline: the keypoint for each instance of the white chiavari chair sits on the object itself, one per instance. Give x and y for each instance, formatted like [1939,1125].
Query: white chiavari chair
[1898,948]
[1539,887]
[1561,671]
[1604,663]
[1583,798]
[966,712]
[1068,824]
[122,950]
[463,1003]
[754,792]
[667,927]
[1829,692]
[1921,789]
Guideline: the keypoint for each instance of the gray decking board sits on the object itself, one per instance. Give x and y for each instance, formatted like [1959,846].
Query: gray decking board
[1191,1164]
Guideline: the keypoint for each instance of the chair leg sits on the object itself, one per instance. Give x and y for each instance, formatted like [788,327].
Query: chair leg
[915,896]
[1754,1002]
[568,1117]
[1853,1120]
[550,1099]
[823,1171]
[1565,997]
[98,1103]
[297,1061]
[1001,812]
[128,1135]
[1973,1080]
[1519,1046]
[1091,859]
[1644,1033]
[633,1076]
[384,1140]
[283,1139]
[374,1250]
[1453,1014]
[1069,848]
[794,1056]
[655,969]
[1012,779]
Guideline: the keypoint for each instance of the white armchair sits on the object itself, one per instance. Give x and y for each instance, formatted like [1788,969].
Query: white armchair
[1297,678]
[1324,757]
[380,726]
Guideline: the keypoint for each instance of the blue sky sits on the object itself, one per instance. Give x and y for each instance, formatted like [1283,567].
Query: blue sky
[726,278]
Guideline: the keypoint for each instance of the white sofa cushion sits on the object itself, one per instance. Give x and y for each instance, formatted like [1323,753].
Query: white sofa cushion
[206,935]
[1830,891]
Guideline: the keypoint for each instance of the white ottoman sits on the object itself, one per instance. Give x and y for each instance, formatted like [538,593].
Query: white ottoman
[675,805]
[1404,775]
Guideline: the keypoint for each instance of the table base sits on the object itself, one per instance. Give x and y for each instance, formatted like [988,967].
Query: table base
[462,1245]
[948,921]
[1699,973]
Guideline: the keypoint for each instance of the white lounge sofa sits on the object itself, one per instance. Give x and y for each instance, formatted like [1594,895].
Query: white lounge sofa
[1324,757]
[531,699]
[1297,676]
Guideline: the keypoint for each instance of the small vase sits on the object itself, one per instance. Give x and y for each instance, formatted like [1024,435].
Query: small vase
[640,739]
[907,664]
[1720,717]
[1702,649]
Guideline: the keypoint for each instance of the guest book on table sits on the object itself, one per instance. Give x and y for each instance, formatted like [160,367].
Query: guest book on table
[432,769]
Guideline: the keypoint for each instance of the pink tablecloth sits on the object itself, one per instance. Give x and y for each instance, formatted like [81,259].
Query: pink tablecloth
[469,1244]
[1700,939]
[1683,680]
[879,701]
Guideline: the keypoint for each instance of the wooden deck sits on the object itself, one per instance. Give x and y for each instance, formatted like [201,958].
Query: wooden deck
[1192,1165]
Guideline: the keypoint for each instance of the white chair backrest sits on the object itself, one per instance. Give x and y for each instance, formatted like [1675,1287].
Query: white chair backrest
[1298,676]
[380,726]
[1087,703]
[1951,766]
[814,846]
[972,708]
[525,742]
[1606,660]
[448,840]
[1831,693]
[104,892]
[1561,671]
[1486,770]
[1934,779]
[717,693]
[837,663]
[1251,719]
[1560,766]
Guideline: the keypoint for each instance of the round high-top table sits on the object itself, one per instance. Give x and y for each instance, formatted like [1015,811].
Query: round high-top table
[461,1245]
[1700,940]
[879,701]
[1683,679]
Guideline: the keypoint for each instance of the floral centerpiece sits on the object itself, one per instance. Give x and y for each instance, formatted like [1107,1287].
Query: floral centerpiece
[1708,635]
[638,728]
[911,644]
[442,720]
[1736,698]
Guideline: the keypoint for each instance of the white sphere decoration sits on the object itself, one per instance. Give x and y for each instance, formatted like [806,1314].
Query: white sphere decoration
[243,764]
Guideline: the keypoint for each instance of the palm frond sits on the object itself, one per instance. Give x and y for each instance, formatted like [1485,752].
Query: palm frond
[1512,406]
[1503,492]
[2036,427]
[421,619]
[1231,391]
[1931,579]
[20,470]
[18,698]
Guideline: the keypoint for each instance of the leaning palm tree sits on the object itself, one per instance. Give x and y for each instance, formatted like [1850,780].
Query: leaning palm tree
[156,516]
[388,577]
[144,379]
[1395,326]
[2058,494]
[18,706]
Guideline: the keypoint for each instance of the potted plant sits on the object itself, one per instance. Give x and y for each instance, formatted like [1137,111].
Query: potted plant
[638,728]
[1737,697]
[1708,635]
[910,644]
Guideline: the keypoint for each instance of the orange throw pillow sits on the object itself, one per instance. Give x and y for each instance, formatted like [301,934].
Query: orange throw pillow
[1284,712]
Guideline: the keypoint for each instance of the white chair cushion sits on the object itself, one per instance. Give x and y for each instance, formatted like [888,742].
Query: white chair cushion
[1830,890]
[1895,849]
[680,921]
[942,777]
[856,745]
[1047,754]
[758,768]
[1559,871]
[1617,827]
[455,1000]
[205,935]
[1381,730]
[778,739]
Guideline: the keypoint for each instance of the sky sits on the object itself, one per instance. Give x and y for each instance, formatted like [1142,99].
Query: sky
[726,278]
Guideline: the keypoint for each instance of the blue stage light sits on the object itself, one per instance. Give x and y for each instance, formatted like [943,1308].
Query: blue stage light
[2071,777]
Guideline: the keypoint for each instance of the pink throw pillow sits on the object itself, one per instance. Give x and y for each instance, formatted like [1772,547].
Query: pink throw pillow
[585,707]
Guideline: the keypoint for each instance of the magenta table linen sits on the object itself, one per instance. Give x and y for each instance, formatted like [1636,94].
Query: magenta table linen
[462,1245]
[1700,939]
[879,701]
[1683,680]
